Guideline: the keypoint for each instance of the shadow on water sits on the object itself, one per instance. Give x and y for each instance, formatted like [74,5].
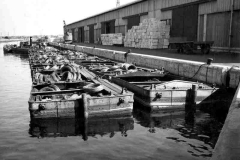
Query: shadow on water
[220,103]
[23,57]
[81,127]
[203,122]
[196,130]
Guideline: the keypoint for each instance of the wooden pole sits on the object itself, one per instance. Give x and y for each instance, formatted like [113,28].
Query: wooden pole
[194,94]
[190,106]
[85,106]
[85,130]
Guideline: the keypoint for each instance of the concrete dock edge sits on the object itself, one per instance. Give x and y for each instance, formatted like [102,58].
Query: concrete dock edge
[202,72]
[228,144]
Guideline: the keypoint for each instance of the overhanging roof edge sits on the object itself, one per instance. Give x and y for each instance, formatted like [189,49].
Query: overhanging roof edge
[123,6]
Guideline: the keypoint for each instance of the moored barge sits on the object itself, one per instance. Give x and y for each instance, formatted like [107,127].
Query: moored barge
[161,92]
[69,90]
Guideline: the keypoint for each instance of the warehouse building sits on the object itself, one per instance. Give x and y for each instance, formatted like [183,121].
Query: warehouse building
[197,20]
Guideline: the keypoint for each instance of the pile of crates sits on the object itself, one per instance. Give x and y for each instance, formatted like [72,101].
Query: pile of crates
[111,39]
[151,34]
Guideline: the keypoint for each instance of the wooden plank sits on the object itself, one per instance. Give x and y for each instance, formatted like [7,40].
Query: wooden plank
[105,83]
[56,92]
[90,75]
[110,85]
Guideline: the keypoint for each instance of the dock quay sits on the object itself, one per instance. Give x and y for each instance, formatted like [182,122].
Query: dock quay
[220,75]
[228,144]
[202,72]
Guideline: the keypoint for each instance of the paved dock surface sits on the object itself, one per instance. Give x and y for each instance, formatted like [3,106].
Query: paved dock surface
[228,59]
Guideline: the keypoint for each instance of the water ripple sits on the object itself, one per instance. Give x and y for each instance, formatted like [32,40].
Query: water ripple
[141,136]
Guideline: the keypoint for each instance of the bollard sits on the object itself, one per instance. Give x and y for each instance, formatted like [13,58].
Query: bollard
[85,107]
[209,61]
[126,54]
[193,94]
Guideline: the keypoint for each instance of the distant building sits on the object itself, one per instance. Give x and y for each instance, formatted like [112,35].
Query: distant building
[198,20]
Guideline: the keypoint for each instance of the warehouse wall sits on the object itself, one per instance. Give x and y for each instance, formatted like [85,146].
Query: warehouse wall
[218,28]
[236,29]
[97,32]
[75,38]
[213,19]
[218,6]
[217,15]
[154,7]
[86,34]
[151,6]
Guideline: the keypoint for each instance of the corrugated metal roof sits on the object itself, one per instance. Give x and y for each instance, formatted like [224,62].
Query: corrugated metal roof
[120,7]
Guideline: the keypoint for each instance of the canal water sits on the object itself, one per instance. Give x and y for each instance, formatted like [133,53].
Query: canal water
[141,135]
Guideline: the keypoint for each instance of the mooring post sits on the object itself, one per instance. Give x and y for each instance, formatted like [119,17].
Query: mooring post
[190,106]
[194,94]
[30,41]
[85,130]
[85,106]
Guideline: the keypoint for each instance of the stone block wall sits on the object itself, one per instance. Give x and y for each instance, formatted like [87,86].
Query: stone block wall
[213,74]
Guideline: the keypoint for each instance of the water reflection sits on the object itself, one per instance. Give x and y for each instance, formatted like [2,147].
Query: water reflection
[105,127]
[191,128]
[141,135]
[23,57]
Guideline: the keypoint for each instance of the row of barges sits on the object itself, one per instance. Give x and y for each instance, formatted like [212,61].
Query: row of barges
[67,83]
[63,88]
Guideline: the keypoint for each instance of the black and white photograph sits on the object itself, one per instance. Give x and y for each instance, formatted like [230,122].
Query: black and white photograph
[120,80]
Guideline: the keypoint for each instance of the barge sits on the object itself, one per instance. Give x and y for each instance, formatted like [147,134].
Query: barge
[70,90]
[155,89]
[159,91]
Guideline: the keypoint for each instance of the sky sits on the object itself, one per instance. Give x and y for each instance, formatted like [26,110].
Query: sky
[45,17]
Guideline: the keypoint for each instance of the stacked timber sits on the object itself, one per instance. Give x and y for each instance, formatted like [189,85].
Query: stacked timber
[111,39]
[151,34]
